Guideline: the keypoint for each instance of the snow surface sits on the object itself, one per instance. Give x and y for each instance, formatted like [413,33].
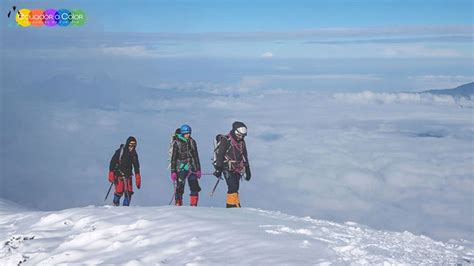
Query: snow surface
[202,235]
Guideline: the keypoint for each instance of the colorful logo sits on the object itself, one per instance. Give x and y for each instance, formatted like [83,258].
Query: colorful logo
[50,17]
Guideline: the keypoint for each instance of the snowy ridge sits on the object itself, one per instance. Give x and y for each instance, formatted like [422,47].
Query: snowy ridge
[171,235]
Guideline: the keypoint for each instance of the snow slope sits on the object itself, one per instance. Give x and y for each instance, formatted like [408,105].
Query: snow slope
[185,235]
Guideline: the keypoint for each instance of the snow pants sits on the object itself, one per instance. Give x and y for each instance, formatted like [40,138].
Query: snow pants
[123,185]
[193,187]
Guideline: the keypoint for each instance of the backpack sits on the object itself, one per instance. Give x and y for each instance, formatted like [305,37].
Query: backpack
[170,149]
[117,169]
[220,138]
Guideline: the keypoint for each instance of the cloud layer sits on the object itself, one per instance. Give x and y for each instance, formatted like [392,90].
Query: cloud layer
[391,161]
[403,98]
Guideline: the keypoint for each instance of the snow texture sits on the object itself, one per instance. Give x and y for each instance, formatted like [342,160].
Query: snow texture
[202,235]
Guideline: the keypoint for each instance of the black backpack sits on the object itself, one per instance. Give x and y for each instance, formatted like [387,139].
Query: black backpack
[220,138]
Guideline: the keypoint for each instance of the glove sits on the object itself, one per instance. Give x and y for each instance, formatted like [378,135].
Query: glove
[198,174]
[248,175]
[218,173]
[174,176]
[138,180]
[111,176]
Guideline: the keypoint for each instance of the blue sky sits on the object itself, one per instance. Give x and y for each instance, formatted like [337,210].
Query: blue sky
[332,35]
[238,16]
[222,16]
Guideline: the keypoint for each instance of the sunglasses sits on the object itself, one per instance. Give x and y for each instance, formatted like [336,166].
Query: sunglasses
[132,145]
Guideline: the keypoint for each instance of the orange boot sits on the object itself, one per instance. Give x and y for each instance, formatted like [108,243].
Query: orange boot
[233,200]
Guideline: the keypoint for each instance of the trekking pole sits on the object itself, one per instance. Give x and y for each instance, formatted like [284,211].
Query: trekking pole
[215,186]
[111,183]
[174,192]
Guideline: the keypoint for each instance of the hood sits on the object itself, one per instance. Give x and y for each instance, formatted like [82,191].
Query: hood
[130,139]
[236,125]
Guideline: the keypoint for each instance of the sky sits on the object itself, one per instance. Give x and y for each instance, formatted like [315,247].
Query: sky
[405,45]
[339,70]
[271,16]
[263,15]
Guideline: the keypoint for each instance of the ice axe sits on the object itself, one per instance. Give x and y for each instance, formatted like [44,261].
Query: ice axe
[108,191]
[174,193]
[215,186]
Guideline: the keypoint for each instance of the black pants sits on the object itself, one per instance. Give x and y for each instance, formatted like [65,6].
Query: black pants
[233,181]
[192,182]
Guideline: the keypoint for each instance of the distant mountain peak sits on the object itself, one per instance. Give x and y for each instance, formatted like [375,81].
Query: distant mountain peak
[465,90]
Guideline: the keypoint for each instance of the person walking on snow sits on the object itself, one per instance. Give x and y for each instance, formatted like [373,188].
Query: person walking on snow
[185,165]
[120,171]
[232,161]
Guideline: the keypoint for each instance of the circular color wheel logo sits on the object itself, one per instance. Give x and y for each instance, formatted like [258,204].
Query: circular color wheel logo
[49,19]
[36,17]
[78,17]
[63,17]
[22,17]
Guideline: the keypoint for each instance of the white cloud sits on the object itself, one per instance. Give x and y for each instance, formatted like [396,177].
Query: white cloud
[410,50]
[129,51]
[267,55]
[259,80]
[165,104]
[316,81]
[401,98]
[136,51]
[229,104]
[251,82]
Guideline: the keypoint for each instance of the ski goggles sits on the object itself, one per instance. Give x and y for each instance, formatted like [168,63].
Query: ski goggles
[241,132]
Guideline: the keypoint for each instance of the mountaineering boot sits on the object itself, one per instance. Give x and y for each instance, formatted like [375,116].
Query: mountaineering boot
[116,200]
[193,200]
[126,201]
[178,202]
[233,200]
